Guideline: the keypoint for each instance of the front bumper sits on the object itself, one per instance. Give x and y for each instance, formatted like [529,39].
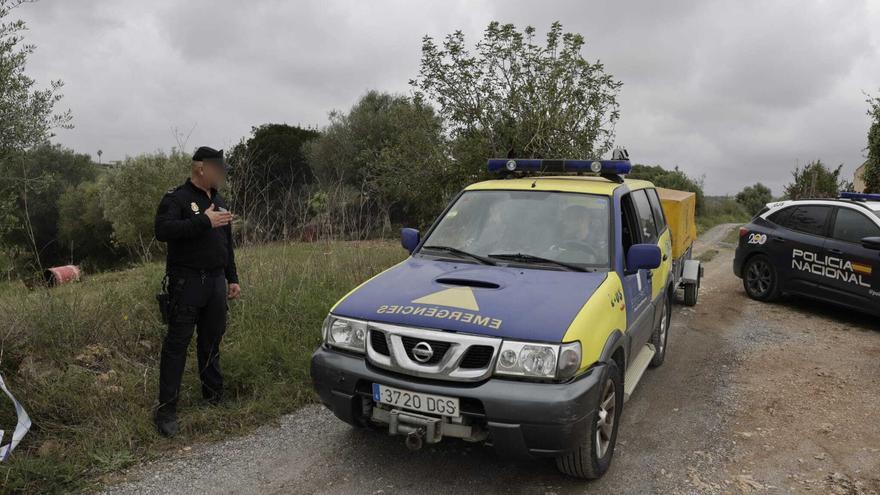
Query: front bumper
[523,419]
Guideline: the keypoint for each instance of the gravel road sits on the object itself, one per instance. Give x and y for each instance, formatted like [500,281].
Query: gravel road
[720,416]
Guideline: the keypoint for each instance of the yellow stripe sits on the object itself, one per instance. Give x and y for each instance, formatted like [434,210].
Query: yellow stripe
[858,267]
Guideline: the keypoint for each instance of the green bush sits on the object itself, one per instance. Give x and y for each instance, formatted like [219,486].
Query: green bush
[721,209]
[131,192]
[754,198]
[83,230]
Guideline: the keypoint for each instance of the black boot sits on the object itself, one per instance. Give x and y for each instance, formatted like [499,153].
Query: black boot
[166,424]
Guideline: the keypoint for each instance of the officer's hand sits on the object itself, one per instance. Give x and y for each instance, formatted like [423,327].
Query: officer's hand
[218,218]
[234,291]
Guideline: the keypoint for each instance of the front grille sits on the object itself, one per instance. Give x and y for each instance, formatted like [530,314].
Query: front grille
[380,345]
[456,357]
[439,348]
[477,357]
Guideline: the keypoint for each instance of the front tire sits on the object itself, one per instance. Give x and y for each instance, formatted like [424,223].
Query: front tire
[593,457]
[660,337]
[760,279]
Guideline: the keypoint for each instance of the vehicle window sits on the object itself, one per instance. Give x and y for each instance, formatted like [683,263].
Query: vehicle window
[565,227]
[852,226]
[647,227]
[809,219]
[629,229]
[763,210]
[657,208]
[780,217]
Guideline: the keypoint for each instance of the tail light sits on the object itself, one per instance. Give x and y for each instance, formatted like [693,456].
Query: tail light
[743,231]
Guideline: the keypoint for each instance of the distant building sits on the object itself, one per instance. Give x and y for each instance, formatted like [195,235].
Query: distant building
[859,178]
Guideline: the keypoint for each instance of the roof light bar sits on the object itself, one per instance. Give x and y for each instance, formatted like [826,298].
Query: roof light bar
[855,196]
[613,167]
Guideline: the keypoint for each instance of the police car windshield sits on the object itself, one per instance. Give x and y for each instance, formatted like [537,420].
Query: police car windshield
[568,228]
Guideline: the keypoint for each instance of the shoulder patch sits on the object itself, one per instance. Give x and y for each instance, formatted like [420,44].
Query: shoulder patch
[173,190]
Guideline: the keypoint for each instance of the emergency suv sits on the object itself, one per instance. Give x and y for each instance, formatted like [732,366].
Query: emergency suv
[522,319]
[827,249]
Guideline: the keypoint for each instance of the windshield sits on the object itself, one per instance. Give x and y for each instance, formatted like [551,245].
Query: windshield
[520,226]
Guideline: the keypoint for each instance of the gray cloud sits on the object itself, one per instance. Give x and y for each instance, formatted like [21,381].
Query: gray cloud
[733,91]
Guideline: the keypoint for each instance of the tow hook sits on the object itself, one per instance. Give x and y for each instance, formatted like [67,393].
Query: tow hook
[415,439]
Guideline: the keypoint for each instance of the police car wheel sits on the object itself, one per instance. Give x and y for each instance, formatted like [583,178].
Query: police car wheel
[661,335]
[593,457]
[760,280]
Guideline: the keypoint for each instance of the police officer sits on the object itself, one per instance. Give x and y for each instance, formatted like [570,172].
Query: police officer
[194,220]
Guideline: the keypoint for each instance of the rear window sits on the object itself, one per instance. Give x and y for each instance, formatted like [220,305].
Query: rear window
[809,219]
[781,216]
[763,210]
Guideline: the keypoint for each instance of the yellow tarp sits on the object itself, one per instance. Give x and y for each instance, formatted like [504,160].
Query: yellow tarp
[680,210]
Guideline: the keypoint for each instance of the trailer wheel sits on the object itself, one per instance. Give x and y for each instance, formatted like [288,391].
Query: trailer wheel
[691,293]
[593,457]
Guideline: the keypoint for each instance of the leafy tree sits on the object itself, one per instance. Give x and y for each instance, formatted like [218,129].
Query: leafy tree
[815,180]
[83,231]
[42,174]
[755,197]
[131,192]
[670,179]
[28,118]
[872,170]
[269,173]
[391,149]
[512,97]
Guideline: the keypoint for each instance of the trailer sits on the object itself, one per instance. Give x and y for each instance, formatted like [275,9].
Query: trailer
[679,207]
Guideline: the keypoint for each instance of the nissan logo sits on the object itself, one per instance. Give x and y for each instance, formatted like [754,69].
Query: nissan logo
[422,352]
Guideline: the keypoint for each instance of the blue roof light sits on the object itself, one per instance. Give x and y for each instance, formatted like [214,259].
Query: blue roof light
[859,196]
[613,167]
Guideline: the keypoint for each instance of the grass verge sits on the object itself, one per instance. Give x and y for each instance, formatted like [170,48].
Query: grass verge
[83,359]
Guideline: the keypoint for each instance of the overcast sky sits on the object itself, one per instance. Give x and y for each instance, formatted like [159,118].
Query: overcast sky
[736,91]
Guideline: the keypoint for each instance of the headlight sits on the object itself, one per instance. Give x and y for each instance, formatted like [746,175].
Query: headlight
[345,334]
[538,360]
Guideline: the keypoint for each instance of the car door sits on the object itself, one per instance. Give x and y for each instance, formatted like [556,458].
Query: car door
[637,287]
[797,248]
[661,274]
[851,274]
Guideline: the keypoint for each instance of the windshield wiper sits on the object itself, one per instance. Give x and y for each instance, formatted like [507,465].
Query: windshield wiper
[459,252]
[531,258]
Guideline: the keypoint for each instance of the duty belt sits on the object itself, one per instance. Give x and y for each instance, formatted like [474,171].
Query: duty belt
[184,272]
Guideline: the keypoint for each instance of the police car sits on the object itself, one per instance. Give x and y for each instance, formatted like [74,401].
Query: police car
[523,318]
[827,249]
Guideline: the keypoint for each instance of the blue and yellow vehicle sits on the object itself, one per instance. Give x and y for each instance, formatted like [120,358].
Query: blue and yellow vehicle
[523,318]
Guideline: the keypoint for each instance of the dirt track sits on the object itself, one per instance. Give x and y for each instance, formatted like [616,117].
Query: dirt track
[753,398]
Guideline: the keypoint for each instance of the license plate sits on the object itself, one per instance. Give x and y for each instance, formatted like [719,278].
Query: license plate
[416,401]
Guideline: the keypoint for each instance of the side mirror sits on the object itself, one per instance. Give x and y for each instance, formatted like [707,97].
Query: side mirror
[871,243]
[642,257]
[409,239]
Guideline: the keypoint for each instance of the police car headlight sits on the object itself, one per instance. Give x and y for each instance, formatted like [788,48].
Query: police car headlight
[345,334]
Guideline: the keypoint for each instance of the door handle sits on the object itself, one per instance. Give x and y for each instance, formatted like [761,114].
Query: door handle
[835,251]
[777,239]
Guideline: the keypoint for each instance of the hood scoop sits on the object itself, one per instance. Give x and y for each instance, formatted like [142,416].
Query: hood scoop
[462,282]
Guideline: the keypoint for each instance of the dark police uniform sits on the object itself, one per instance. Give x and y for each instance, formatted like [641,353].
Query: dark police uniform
[200,263]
